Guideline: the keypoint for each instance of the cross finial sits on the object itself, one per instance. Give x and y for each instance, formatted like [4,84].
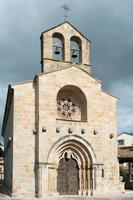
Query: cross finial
[66,10]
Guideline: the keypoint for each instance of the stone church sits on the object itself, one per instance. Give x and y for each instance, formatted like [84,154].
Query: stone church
[60,129]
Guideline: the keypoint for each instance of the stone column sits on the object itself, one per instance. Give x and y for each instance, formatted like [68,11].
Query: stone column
[91,180]
[52,180]
[84,181]
[39,180]
[88,181]
[80,182]
[55,181]
[94,178]
[67,50]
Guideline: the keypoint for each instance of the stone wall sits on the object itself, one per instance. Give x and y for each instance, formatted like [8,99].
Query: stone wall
[35,108]
[24,140]
[100,128]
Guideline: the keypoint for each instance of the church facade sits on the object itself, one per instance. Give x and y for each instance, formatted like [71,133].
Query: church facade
[60,129]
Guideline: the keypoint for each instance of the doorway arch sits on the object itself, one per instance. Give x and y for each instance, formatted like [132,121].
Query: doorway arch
[75,152]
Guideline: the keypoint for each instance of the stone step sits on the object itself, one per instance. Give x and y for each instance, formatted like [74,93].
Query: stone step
[74,198]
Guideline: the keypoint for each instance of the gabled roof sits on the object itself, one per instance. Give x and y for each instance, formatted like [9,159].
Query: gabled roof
[70,66]
[126,133]
[70,25]
[76,66]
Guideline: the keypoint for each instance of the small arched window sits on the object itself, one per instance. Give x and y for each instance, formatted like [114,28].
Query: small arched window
[58,46]
[75,49]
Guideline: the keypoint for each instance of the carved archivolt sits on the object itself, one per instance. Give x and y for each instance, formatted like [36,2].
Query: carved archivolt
[68,154]
[73,148]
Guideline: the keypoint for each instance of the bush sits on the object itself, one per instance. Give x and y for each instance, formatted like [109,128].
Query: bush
[124,174]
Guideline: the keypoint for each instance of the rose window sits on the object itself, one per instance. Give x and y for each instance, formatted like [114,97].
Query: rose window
[66,108]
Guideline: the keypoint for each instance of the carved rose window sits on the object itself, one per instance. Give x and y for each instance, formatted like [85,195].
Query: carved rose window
[66,108]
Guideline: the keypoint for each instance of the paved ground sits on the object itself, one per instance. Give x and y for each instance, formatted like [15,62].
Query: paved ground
[128,195]
[72,198]
[82,198]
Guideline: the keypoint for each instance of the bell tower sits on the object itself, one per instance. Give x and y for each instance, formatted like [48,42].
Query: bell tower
[62,46]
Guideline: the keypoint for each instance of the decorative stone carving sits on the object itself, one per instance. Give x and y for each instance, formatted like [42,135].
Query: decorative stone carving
[34,131]
[66,108]
[82,131]
[68,154]
[9,139]
[70,130]
[111,135]
[57,129]
[44,129]
[95,132]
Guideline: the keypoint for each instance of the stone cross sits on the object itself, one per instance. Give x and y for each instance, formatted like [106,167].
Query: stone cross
[66,10]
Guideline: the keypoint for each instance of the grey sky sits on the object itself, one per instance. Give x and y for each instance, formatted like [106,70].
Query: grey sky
[107,23]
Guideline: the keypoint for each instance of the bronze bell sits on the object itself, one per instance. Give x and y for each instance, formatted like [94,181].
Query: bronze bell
[74,54]
[57,51]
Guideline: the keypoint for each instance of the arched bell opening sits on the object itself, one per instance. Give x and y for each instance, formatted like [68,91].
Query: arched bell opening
[71,103]
[72,159]
[76,50]
[58,46]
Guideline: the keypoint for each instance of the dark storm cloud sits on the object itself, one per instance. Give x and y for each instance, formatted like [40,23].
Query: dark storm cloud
[108,24]
[125,106]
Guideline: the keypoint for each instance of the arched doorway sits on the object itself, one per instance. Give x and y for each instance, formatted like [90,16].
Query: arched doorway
[70,170]
[68,176]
